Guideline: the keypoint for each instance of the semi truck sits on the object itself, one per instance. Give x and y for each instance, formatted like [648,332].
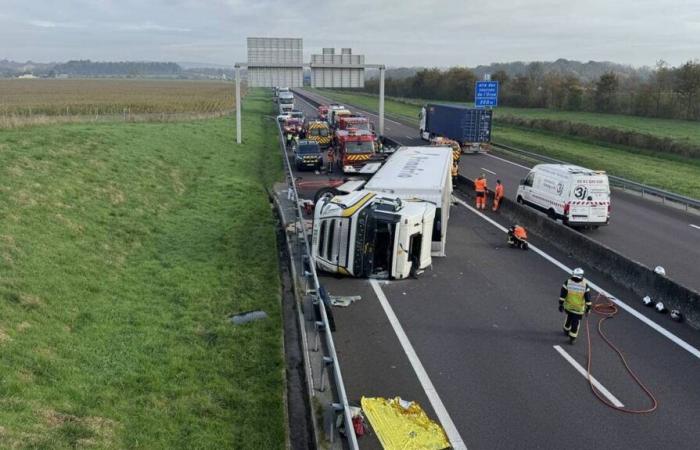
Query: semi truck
[285,101]
[470,127]
[366,234]
[391,226]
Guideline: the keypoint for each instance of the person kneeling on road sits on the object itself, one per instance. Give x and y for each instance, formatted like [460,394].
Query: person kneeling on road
[517,237]
[575,299]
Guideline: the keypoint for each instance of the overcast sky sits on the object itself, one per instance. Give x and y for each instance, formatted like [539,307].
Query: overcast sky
[397,33]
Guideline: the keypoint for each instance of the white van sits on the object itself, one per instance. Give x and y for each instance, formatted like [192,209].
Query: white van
[576,195]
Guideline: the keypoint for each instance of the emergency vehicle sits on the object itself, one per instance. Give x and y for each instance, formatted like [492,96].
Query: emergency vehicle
[322,112]
[576,195]
[320,132]
[292,125]
[355,151]
[445,142]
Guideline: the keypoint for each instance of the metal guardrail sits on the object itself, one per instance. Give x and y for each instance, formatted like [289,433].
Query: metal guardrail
[616,181]
[308,270]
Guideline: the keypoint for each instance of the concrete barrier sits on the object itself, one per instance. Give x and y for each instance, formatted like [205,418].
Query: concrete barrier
[618,268]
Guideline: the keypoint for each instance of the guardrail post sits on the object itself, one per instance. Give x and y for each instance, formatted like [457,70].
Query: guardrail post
[319,327]
[335,409]
[325,363]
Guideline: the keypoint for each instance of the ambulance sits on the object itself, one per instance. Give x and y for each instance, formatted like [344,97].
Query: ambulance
[578,196]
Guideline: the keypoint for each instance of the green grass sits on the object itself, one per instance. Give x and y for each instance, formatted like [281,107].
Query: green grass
[124,248]
[670,172]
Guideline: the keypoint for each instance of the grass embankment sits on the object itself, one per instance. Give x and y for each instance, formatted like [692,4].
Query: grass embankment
[124,248]
[666,171]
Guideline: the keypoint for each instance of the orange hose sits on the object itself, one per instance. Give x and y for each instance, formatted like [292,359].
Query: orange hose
[607,309]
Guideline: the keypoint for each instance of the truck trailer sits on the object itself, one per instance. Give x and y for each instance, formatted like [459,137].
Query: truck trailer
[470,127]
[421,173]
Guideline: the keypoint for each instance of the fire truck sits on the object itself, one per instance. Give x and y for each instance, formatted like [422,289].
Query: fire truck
[357,122]
[293,125]
[322,112]
[356,151]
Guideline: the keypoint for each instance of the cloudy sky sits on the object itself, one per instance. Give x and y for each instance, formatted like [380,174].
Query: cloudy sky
[397,33]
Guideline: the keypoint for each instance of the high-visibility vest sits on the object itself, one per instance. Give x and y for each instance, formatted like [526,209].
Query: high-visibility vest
[480,185]
[499,191]
[575,301]
[520,232]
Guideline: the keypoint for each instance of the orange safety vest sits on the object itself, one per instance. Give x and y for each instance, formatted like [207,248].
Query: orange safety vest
[480,185]
[520,232]
[499,191]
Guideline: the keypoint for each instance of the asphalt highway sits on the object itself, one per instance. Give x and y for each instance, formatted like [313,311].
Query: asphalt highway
[641,229]
[477,341]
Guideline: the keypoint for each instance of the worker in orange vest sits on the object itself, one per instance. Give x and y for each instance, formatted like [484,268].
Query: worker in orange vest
[480,188]
[517,237]
[498,195]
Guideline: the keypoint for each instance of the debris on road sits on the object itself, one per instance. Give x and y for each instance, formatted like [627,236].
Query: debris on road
[401,424]
[344,300]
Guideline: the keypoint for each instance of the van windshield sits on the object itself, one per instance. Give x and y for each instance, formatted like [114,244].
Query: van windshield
[359,147]
[318,132]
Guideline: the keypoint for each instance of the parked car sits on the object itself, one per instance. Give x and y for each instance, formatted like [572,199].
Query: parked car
[308,155]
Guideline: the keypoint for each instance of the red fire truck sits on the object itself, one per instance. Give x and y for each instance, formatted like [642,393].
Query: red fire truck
[356,151]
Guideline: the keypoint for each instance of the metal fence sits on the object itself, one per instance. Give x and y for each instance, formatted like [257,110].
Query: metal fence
[308,277]
[623,183]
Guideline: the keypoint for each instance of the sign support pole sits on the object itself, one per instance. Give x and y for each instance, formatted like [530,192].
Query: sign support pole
[381,101]
[238,104]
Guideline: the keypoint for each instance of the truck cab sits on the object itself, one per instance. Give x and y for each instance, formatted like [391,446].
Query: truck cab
[292,125]
[285,101]
[365,234]
[355,150]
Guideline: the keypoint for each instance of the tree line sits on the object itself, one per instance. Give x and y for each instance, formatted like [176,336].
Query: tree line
[667,92]
[89,68]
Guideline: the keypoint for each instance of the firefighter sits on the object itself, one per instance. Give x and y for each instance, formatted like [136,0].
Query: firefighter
[498,195]
[480,188]
[290,139]
[517,237]
[575,299]
[330,157]
[455,172]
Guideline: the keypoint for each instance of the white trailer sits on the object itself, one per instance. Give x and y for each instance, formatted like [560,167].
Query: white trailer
[421,173]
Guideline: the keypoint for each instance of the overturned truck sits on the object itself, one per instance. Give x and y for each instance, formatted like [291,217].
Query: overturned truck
[391,226]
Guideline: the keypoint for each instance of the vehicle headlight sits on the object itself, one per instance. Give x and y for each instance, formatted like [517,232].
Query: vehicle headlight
[348,169]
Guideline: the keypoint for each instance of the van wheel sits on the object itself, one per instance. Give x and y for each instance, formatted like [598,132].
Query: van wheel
[552,214]
[520,200]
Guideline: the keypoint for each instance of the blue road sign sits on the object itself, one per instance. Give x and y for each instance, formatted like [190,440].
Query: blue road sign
[486,94]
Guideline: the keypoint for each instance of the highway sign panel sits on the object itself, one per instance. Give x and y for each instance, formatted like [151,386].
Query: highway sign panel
[486,94]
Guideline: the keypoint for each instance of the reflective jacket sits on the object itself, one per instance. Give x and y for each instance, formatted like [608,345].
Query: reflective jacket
[520,232]
[480,185]
[499,191]
[575,295]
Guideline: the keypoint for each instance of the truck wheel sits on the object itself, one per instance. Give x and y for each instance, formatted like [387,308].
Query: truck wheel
[323,191]
[552,214]
[520,200]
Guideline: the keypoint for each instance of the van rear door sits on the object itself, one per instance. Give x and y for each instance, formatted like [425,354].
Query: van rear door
[590,200]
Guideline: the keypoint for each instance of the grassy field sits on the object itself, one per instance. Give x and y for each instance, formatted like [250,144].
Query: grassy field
[124,249]
[671,172]
[45,101]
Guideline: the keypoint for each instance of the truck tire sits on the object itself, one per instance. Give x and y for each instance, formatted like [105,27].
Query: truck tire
[323,191]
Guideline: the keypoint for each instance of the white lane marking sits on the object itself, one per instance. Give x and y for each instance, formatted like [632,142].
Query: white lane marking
[409,137]
[656,327]
[423,378]
[694,226]
[489,171]
[595,382]
[506,161]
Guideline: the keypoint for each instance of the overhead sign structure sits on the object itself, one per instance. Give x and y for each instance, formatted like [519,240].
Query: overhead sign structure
[329,70]
[486,94]
[275,62]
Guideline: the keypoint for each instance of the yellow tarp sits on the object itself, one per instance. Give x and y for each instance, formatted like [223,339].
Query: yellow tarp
[403,426]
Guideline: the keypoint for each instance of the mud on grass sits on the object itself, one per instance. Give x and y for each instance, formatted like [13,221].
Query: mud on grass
[124,248]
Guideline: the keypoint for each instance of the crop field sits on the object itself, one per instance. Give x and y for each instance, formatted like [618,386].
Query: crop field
[124,250]
[667,171]
[45,101]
